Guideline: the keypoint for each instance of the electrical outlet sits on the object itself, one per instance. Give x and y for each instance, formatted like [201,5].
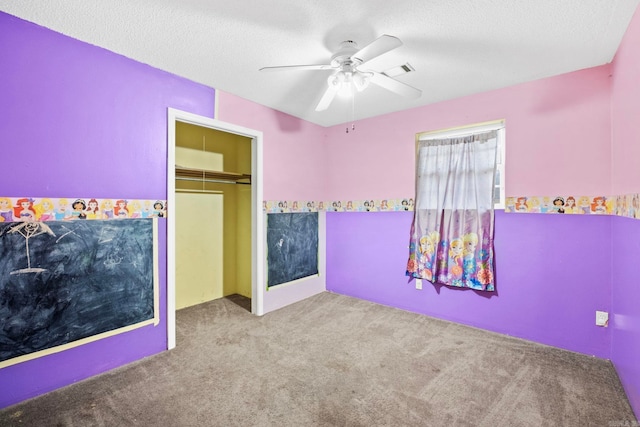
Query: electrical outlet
[418,283]
[602,318]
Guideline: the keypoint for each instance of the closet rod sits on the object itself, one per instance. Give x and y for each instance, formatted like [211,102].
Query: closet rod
[199,191]
[219,181]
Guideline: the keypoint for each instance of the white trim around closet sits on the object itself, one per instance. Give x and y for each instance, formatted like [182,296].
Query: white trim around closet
[257,217]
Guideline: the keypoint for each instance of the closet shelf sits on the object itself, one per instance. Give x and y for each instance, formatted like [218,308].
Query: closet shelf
[211,176]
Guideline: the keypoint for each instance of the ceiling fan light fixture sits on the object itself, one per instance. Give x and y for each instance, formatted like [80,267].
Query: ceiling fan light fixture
[335,80]
[347,78]
[343,82]
[361,80]
[340,83]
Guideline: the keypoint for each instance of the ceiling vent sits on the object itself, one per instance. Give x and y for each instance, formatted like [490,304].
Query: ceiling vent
[399,70]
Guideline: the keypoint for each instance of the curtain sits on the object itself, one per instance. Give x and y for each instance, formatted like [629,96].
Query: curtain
[452,231]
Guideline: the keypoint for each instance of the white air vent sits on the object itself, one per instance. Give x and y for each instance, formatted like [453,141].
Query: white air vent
[399,70]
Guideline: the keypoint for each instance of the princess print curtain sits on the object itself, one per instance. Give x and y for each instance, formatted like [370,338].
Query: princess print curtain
[452,231]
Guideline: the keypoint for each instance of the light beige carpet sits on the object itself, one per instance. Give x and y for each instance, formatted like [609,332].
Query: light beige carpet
[332,360]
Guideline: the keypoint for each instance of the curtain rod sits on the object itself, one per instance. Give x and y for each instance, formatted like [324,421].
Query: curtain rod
[461,128]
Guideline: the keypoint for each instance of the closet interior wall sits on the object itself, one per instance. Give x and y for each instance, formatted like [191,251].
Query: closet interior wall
[210,265]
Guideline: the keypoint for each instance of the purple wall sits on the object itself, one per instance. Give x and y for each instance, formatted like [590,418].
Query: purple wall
[625,319]
[77,120]
[552,274]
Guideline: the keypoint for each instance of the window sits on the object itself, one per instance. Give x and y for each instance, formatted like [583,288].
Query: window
[459,183]
[498,125]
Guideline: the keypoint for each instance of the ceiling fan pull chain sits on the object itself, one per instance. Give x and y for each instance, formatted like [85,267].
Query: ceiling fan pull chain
[348,113]
[352,95]
[353,109]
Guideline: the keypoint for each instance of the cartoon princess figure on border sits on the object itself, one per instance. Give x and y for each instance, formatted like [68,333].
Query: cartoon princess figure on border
[584,206]
[534,205]
[570,205]
[635,204]
[107,209]
[44,210]
[270,206]
[349,206]
[521,204]
[79,206]
[158,209]
[120,210]
[558,205]
[598,205]
[509,204]
[147,210]
[63,210]
[135,209]
[546,206]
[609,204]
[6,209]
[24,211]
[93,210]
[621,205]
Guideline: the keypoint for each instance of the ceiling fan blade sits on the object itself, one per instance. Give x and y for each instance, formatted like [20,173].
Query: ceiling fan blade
[328,96]
[298,67]
[382,44]
[395,86]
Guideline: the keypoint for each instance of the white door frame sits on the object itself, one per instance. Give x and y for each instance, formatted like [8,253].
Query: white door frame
[257,217]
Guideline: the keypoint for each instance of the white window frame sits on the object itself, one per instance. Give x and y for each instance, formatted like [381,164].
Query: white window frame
[497,125]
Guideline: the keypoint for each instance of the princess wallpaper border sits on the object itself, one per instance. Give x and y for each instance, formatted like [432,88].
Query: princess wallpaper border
[13,209]
[370,205]
[625,205]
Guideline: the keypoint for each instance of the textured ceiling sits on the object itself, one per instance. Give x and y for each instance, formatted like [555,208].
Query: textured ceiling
[456,47]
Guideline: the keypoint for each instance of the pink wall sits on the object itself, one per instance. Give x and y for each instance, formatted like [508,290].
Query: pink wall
[294,168]
[558,139]
[294,151]
[625,107]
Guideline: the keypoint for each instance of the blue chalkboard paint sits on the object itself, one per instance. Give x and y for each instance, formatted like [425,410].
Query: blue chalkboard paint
[62,281]
[292,246]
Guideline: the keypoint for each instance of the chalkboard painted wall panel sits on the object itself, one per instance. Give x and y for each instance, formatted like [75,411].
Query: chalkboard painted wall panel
[292,246]
[65,281]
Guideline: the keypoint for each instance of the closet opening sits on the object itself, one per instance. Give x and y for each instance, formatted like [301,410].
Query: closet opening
[215,215]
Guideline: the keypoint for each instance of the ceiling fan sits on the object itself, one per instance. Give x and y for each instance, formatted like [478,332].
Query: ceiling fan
[349,71]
